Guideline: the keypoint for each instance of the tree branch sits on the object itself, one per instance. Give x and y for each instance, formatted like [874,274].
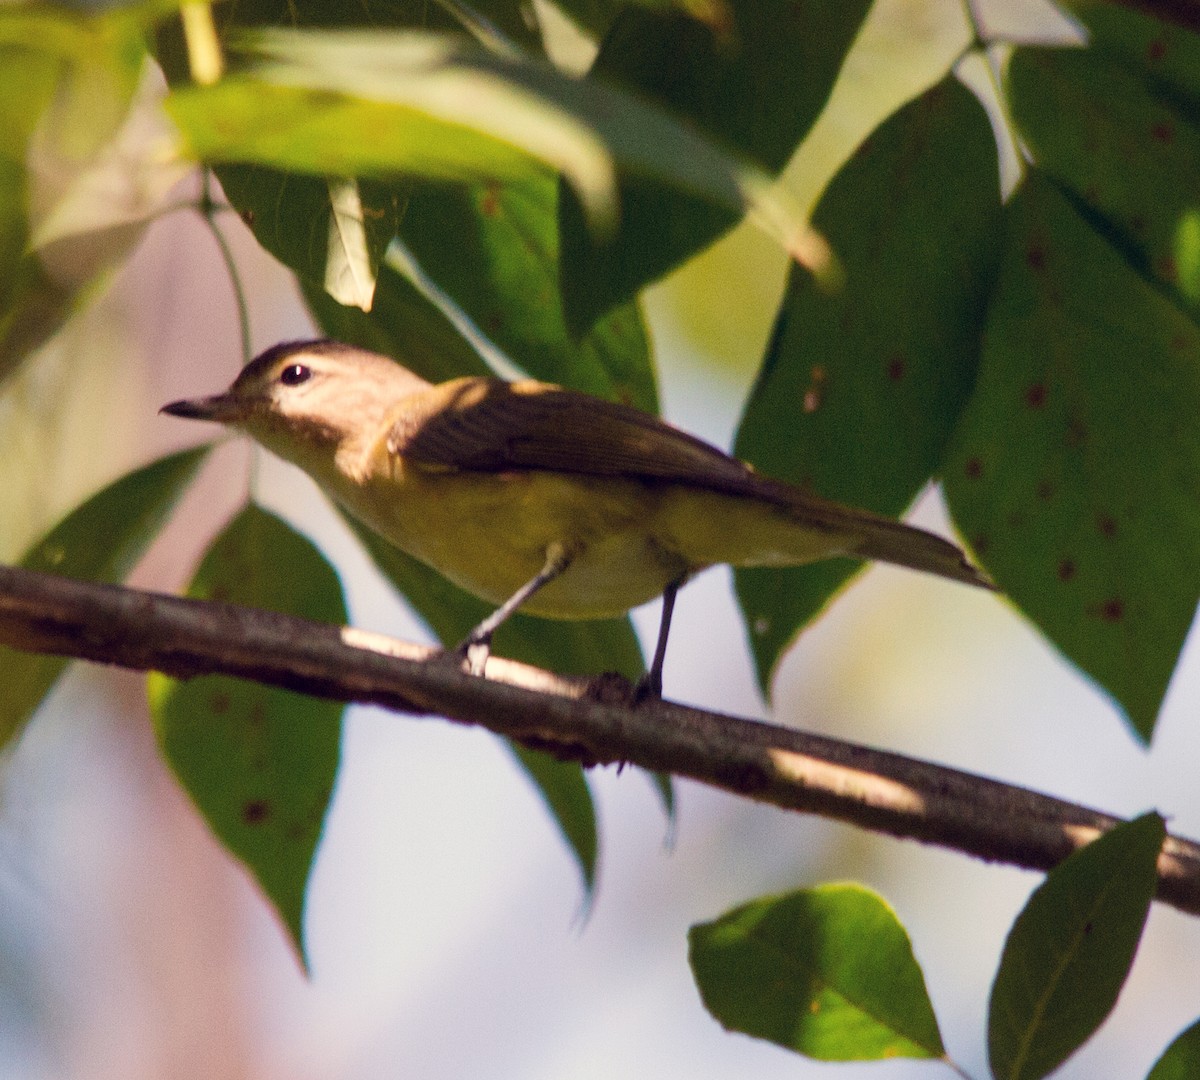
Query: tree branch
[589,720]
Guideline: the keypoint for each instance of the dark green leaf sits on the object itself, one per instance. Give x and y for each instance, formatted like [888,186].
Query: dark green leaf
[259,762]
[1070,949]
[402,324]
[1180,1060]
[565,791]
[1076,466]
[1164,54]
[755,82]
[502,270]
[1113,135]
[101,540]
[575,648]
[828,972]
[860,390]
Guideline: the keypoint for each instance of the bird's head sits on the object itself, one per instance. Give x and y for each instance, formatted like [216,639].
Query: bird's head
[302,397]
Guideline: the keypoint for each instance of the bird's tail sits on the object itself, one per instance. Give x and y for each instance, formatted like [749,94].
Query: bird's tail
[905,545]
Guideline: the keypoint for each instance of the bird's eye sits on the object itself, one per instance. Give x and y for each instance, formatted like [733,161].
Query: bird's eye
[295,374]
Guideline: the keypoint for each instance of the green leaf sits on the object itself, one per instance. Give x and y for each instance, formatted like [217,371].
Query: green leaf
[572,648]
[386,103]
[564,789]
[860,390]
[258,762]
[1180,1060]
[1114,135]
[1070,949]
[828,972]
[502,270]
[755,82]
[100,540]
[1164,54]
[402,324]
[1076,466]
[69,77]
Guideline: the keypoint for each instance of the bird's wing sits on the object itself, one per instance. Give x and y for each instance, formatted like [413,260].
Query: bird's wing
[487,425]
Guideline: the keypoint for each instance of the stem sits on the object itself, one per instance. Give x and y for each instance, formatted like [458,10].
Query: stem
[203,45]
[208,209]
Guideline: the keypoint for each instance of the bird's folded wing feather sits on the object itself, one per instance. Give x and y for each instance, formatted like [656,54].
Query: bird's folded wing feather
[487,425]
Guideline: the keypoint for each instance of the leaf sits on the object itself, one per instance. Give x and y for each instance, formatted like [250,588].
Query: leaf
[401,324]
[1070,949]
[564,789]
[755,82]
[385,103]
[595,17]
[65,83]
[258,762]
[349,273]
[1075,471]
[502,270]
[828,972]
[860,390]
[100,540]
[576,648]
[1118,138]
[1164,54]
[1180,1060]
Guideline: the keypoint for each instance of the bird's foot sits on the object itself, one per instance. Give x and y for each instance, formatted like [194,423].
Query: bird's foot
[471,654]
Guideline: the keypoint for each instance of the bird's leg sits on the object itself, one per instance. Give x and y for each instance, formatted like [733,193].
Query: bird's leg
[650,684]
[477,645]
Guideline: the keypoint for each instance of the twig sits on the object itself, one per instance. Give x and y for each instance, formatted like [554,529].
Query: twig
[589,720]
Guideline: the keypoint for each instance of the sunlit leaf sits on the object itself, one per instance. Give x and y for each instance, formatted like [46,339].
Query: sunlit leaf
[259,762]
[66,80]
[828,972]
[1180,1060]
[351,103]
[349,268]
[100,540]
[754,80]
[1070,949]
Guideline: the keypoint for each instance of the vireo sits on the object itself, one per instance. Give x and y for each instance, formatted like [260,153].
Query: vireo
[537,497]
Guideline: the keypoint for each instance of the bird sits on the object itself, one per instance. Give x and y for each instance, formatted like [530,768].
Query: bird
[537,497]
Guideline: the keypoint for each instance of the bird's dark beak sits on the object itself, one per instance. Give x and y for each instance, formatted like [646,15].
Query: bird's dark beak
[221,408]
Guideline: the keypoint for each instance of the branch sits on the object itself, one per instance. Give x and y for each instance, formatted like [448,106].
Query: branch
[592,720]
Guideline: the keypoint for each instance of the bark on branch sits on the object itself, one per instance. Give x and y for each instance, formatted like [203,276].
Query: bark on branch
[590,720]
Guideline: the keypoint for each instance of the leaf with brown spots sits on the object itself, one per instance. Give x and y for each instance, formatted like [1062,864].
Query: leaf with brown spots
[258,762]
[1091,501]
[859,390]
[1118,124]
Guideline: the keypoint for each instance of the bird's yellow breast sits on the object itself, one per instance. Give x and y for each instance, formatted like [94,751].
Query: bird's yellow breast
[490,532]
